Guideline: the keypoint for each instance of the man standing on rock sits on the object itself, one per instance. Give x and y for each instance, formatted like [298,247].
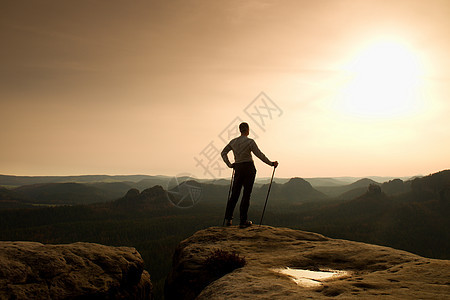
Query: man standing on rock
[245,172]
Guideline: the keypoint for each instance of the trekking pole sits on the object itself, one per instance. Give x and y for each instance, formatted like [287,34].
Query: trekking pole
[229,192]
[270,185]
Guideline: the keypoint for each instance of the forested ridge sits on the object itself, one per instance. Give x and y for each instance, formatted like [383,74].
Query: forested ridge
[415,220]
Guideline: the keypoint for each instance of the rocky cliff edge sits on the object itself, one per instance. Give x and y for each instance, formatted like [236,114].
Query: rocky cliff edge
[370,271]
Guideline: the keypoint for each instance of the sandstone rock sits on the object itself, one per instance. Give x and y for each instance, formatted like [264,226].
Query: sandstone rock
[395,186]
[151,198]
[374,189]
[30,270]
[132,194]
[374,271]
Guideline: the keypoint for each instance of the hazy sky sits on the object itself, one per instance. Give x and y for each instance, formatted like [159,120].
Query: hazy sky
[351,88]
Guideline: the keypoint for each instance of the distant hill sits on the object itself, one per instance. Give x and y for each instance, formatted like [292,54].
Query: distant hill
[10,180]
[151,182]
[352,194]
[363,207]
[11,199]
[326,182]
[392,187]
[220,181]
[365,182]
[434,186]
[266,180]
[408,220]
[298,188]
[112,190]
[295,191]
[6,194]
[335,191]
[62,193]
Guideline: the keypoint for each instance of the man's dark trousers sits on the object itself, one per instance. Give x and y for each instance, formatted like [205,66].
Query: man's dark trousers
[244,176]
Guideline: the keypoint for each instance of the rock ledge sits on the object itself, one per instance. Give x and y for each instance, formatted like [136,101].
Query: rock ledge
[375,270]
[30,270]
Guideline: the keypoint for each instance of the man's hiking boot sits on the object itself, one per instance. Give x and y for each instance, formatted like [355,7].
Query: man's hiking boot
[228,223]
[245,224]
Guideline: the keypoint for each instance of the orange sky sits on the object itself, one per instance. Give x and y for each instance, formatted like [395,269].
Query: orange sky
[109,87]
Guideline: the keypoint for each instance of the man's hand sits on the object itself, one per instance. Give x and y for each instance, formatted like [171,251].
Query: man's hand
[275,164]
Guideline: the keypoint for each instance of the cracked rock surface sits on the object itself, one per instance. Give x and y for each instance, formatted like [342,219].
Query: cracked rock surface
[30,270]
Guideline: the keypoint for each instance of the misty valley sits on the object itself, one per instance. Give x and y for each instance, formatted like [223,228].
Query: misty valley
[149,214]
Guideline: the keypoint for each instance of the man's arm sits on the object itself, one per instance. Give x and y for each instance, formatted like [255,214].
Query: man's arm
[254,148]
[224,155]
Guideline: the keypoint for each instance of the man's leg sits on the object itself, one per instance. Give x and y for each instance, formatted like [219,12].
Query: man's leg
[235,192]
[250,174]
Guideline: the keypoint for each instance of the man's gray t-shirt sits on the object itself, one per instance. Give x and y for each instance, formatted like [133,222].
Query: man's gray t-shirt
[242,147]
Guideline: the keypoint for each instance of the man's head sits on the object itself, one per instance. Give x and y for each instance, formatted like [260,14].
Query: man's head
[244,129]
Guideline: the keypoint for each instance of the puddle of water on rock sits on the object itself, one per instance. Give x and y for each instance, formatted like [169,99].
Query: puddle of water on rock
[309,278]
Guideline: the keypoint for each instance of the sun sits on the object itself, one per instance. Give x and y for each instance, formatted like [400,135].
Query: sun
[384,82]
